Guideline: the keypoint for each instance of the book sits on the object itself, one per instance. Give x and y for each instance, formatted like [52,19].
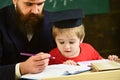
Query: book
[105,65]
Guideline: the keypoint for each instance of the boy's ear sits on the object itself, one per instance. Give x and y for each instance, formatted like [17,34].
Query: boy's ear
[81,40]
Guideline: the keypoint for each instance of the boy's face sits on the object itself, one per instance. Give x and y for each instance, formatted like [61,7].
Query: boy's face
[68,44]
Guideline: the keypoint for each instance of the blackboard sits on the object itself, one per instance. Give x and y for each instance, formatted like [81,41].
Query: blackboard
[4,3]
[89,6]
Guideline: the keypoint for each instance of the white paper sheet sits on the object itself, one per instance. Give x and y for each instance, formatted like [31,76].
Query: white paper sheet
[57,70]
[88,63]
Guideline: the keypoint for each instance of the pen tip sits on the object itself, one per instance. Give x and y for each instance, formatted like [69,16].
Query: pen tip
[52,57]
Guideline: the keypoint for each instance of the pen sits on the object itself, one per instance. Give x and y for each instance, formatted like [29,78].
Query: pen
[29,54]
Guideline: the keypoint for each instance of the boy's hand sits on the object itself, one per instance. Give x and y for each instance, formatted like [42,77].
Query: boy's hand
[70,62]
[113,57]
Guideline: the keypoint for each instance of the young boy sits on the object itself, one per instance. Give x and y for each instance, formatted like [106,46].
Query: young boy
[68,32]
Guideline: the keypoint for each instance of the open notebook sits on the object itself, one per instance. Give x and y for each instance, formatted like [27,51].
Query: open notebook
[65,70]
[57,70]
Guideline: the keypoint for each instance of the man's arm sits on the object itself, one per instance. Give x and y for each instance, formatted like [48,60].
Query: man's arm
[7,72]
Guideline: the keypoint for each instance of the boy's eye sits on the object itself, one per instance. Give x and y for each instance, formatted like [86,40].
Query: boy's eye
[61,42]
[71,42]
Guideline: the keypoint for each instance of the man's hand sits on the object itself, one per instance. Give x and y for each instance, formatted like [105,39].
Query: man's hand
[35,64]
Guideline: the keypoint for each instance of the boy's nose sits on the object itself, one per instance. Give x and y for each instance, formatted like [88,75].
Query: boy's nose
[67,46]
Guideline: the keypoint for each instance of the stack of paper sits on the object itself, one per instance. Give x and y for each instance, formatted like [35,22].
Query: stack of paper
[105,65]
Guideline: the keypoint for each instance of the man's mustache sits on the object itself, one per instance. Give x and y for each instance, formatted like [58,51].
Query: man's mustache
[33,15]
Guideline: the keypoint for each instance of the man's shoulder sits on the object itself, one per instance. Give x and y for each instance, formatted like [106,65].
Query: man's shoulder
[6,9]
[6,15]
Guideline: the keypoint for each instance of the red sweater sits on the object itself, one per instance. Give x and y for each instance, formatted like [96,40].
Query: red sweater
[87,53]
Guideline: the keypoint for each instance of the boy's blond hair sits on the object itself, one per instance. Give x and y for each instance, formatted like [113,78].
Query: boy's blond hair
[79,31]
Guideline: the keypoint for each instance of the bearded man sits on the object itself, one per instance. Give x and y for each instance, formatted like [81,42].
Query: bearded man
[24,28]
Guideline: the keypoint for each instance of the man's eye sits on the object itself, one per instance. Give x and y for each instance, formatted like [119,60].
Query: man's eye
[39,4]
[29,4]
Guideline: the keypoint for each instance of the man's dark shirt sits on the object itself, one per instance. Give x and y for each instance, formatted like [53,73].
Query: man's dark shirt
[12,42]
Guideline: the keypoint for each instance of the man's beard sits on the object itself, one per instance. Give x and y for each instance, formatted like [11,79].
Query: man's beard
[27,23]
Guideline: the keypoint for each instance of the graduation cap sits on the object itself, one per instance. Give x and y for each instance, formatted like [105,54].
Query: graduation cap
[66,18]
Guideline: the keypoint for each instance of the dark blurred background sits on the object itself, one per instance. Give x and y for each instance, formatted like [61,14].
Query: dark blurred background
[102,22]
[103,30]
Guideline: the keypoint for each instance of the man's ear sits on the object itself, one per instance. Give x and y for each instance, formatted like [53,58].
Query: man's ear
[14,2]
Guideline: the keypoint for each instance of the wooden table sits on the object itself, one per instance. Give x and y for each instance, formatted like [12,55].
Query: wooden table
[103,75]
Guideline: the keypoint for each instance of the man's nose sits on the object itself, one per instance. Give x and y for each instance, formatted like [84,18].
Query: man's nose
[35,9]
